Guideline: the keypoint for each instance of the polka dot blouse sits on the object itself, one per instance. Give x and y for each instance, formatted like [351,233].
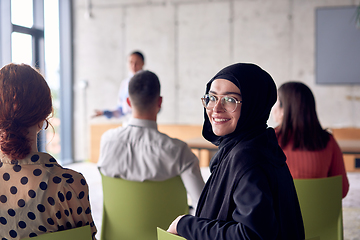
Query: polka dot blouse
[37,196]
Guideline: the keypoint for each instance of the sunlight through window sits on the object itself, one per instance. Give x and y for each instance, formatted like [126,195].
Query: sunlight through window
[22,13]
[21,48]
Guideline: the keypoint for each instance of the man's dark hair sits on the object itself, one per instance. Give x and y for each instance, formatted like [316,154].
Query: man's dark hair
[144,89]
[139,54]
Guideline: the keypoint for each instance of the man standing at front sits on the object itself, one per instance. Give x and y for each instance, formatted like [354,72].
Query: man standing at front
[139,152]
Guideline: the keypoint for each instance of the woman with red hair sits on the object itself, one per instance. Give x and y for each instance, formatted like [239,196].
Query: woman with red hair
[37,195]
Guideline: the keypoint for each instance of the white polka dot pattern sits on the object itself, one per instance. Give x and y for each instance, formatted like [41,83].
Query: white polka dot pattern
[37,195]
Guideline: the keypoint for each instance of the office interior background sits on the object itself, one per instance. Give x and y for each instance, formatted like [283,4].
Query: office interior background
[81,47]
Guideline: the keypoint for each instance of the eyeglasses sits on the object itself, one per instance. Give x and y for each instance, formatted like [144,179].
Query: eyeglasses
[209,101]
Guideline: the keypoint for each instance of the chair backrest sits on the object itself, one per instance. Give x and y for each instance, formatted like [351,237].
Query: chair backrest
[321,206]
[79,233]
[133,210]
[164,235]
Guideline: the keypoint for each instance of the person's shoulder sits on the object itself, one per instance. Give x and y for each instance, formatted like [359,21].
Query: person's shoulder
[66,172]
[110,133]
[331,137]
[332,141]
[172,140]
[60,174]
[70,176]
[257,151]
[70,179]
[173,145]
[238,161]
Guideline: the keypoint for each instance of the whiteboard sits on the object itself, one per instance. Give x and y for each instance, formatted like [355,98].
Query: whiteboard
[337,46]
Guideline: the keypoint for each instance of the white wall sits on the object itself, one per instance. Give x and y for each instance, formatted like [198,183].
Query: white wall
[186,42]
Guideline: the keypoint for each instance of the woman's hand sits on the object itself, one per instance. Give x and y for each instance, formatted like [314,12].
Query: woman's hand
[173,225]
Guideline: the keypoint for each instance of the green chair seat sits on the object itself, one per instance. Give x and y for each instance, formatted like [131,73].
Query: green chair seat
[164,235]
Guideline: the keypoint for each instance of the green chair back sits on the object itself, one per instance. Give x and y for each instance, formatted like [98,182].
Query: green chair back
[321,206]
[133,210]
[79,233]
[164,235]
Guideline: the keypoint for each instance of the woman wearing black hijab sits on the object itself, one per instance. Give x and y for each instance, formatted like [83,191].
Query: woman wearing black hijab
[250,193]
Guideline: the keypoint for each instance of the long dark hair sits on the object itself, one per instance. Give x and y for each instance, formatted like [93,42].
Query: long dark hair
[300,122]
[25,100]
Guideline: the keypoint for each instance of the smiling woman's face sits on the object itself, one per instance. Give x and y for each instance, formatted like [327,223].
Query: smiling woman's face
[222,121]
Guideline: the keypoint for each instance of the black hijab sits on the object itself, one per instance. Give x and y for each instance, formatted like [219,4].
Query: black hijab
[259,94]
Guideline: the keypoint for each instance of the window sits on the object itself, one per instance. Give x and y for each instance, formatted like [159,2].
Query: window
[30,33]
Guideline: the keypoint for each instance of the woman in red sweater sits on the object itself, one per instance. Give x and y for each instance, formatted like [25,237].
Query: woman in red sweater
[311,151]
